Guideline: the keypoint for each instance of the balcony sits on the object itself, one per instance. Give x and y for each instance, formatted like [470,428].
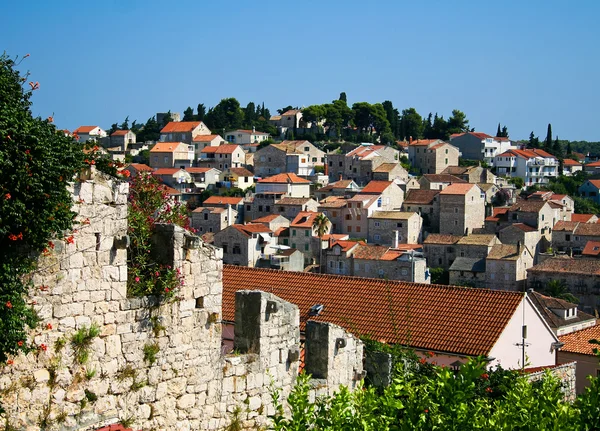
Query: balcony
[279,261]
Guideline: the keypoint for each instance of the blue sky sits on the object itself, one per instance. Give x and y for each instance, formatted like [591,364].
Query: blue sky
[522,63]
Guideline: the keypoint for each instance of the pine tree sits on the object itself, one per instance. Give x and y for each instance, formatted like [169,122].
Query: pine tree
[499,132]
[548,141]
[557,149]
[504,132]
[569,149]
[343,97]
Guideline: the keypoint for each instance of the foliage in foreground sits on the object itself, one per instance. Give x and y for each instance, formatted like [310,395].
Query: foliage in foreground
[423,396]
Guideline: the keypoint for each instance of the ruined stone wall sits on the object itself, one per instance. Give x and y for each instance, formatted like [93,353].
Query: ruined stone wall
[82,281]
[566,374]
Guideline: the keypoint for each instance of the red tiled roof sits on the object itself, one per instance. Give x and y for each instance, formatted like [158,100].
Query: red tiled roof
[524,227]
[304,219]
[593,164]
[84,129]
[375,187]
[212,200]
[293,201]
[582,218]
[457,189]
[241,172]
[375,252]
[221,149]
[526,154]
[346,244]
[180,126]
[119,133]
[166,147]
[171,171]
[140,167]
[285,178]
[251,228]
[364,151]
[570,162]
[266,219]
[592,248]
[566,265]
[386,167]
[422,142]
[595,183]
[205,138]
[442,178]
[448,319]
[249,131]
[578,341]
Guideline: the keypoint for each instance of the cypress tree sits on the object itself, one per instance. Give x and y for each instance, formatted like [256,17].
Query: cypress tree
[499,132]
[548,141]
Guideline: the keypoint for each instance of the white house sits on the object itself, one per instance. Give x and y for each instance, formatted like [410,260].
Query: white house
[480,146]
[535,166]
[88,133]
[290,184]
[244,137]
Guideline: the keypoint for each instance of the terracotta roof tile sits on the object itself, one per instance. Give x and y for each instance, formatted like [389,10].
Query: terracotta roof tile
[346,244]
[304,219]
[364,150]
[455,170]
[545,305]
[212,200]
[119,133]
[592,248]
[171,171]
[582,218]
[221,149]
[180,126]
[249,132]
[168,147]
[205,138]
[524,227]
[566,265]
[457,189]
[588,229]
[292,201]
[442,178]
[341,184]
[528,206]
[375,187]
[251,228]
[438,238]
[392,215]
[579,341]
[423,142]
[420,197]
[370,252]
[385,167]
[504,252]
[241,172]
[266,219]
[84,129]
[140,167]
[477,239]
[285,178]
[441,318]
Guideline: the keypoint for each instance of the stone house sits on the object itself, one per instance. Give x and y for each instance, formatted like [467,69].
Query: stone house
[563,205]
[202,141]
[522,233]
[467,271]
[246,244]
[303,236]
[562,316]
[136,168]
[462,209]
[534,212]
[489,192]
[580,275]
[476,245]
[440,250]
[171,154]
[212,219]
[222,157]
[122,139]
[332,208]
[576,347]
[238,177]
[183,131]
[244,137]
[236,203]
[89,133]
[273,221]
[374,261]
[390,172]
[287,259]
[290,119]
[343,188]
[291,207]
[590,189]
[394,227]
[572,236]
[506,266]
[472,174]
[480,146]
[432,156]
[300,157]
[261,204]
[427,204]
[290,184]
[389,194]
[438,181]
[360,163]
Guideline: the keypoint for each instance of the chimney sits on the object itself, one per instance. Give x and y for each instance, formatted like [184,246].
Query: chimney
[229,215]
[395,239]
[409,140]
[253,129]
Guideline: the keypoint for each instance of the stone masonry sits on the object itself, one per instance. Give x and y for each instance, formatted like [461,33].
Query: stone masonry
[190,385]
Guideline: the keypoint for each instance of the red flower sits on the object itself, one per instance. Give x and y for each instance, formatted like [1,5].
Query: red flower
[43,347]
[10,362]
[485,376]
[7,196]
[423,360]
[20,343]
[51,245]
[167,290]
[488,389]
[27,151]
[12,237]
[8,304]
[157,273]
[137,279]
[70,240]
[426,410]
[49,326]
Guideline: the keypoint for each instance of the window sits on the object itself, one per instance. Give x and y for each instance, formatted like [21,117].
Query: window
[398,224]
[449,249]
[462,254]
[446,153]
[305,247]
[340,164]
[349,229]
[514,216]
[357,228]
[381,273]
[260,208]
[348,217]
[567,237]
[293,232]
[306,233]
[334,213]
[341,265]
[293,245]
[377,224]
[367,267]
[446,161]
[358,217]
[455,222]
[224,245]
[205,216]
[404,271]
[377,237]
[379,202]
[268,208]
[330,264]
[307,149]
[455,210]
[439,261]
[248,208]
[237,249]
[543,216]
[281,209]
[330,163]
[314,159]
[285,241]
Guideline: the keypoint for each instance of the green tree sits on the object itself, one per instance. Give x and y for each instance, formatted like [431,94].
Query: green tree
[188,114]
[337,115]
[201,112]
[166,119]
[557,149]
[457,123]
[569,148]
[499,132]
[428,127]
[37,162]
[548,140]
[393,117]
[287,108]
[314,113]
[320,226]
[125,124]
[226,115]
[505,132]
[534,141]
[343,97]
[113,128]
[558,289]
[411,124]
[150,131]
[250,116]
[440,128]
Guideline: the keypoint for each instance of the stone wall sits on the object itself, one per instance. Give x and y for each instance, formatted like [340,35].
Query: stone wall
[190,386]
[565,373]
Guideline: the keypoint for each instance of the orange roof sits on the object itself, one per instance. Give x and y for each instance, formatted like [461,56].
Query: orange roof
[364,150]
[592,248]
[448,319]
[285,178]
[582,218]
[221,200]
[376,187]
[251,228]
[166,147]
[221,149]
[119,133]
[570,162]
[205,138]
[180,126]
[84,129]
[250,131]
[266,219]
[579,341]
[593,164]
[346,244]
[304,219]
[595,183]
[140,167]
[526,154]
[171,171]
[241,172]
[422,142]
[457,189]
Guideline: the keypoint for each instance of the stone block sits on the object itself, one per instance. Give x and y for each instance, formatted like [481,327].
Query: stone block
[186,401]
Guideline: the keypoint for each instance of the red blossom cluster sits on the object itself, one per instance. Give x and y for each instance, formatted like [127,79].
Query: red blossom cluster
[14,237]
